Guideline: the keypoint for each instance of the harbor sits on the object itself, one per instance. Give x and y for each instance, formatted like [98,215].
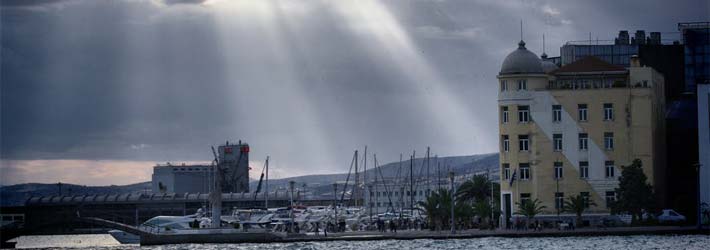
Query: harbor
[660,241]
[368,124]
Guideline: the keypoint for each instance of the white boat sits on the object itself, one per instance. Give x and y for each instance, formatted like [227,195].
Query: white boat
[124,238]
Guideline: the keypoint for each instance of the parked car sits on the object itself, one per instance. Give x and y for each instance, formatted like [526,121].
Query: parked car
[668,215]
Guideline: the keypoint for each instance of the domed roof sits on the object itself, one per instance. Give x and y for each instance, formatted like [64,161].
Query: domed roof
[547,65]
[521,61]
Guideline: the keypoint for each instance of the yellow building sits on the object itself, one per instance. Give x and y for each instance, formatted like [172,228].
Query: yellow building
[567,131]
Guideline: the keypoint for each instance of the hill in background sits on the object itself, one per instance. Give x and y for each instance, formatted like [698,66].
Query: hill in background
[16,195]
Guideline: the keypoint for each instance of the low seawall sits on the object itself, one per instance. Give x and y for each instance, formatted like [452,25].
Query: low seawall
[411,235]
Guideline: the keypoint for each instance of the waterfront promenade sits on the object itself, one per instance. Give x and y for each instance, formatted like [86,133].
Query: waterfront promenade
[475,233]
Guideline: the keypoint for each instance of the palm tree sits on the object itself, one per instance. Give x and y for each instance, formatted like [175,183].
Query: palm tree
[530,209]
[437,208]
[431,206]
[483,209]
[476,189]
[577,204]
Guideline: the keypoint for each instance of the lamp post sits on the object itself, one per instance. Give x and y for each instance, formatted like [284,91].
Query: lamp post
[335,203]
[557,192]
[369,200]
[698,217]
[290,184]
[453,203]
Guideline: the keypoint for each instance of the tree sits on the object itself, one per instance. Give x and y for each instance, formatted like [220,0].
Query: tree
[577,205]
[484,210]
[433,208]
[476,189]
[475,193]
[437,207]
[530,209]
[634,194]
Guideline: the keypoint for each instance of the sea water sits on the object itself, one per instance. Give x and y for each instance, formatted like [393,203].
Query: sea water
[105,241]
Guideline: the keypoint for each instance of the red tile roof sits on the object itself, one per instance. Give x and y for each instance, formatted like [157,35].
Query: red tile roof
[588,64]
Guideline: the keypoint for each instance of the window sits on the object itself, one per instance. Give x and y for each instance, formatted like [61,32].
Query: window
[609,169]
[503,85]
[608,112]
[506,171]
[504,115]
[583,141]
[523,143]
[557,142]
[585,197]
[610,198]
[583,169]
[506,143]
[558,170]
[524,197]
[524,171]
[609,141]
[559,200]
[582,108]
[522,84]
[523,113]
[556,113]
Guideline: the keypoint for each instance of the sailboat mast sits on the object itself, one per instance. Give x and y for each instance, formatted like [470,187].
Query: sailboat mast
[266,188]
[428,181]
[216,194]
[438,172]
[402,185]
[364,178]
[411,183]
[377,197]
[356,185]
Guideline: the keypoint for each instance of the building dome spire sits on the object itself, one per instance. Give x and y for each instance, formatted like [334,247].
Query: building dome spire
[521,61]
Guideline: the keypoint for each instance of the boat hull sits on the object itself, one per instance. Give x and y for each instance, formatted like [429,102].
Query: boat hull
[209,237]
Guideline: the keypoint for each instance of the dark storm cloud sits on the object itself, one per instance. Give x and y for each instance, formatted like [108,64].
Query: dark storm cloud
[24,3]
[136,80]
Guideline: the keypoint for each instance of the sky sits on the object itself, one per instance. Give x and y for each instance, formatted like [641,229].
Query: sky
[97,92]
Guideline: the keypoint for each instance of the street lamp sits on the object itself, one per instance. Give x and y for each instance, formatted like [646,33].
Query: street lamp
[453,203]
[335,203]
[558,205]
[698,215]
[290,184]
[369,200]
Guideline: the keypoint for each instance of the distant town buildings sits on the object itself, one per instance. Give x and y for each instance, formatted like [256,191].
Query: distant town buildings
[567,131]
[182,178]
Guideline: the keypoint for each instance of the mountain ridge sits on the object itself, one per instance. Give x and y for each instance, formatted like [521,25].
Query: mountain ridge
[17,194]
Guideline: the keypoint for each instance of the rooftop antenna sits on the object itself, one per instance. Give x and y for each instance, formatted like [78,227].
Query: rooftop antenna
[590,38]
[521,29]
[543,43]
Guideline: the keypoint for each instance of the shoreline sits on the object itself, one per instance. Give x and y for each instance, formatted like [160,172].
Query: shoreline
[439,235]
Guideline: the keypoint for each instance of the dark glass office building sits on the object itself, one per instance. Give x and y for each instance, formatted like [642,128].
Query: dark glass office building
[696,39]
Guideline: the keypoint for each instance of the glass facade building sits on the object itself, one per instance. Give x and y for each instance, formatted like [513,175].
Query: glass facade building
[617,54]
[696,39]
